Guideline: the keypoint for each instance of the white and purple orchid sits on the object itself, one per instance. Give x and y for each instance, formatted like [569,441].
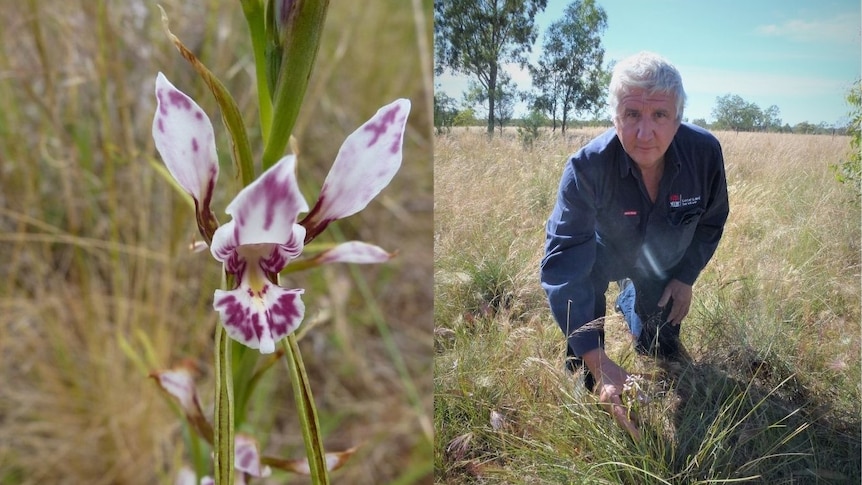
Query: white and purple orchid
[264,234]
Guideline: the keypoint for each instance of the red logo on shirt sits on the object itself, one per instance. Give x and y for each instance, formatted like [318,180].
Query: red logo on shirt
[675,200]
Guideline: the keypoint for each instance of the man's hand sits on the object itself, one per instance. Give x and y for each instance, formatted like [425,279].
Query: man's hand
[680,293]
[610,379]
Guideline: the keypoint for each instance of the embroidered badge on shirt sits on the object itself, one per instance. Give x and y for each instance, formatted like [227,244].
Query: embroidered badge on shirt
[676,200]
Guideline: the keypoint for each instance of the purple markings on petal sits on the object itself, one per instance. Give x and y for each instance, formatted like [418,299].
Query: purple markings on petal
[185,140]
[247,457]
[380,124]
[235,314]
[259,319]
[179,100]
[282,254]
[365,164]
[285,313]
[264,212]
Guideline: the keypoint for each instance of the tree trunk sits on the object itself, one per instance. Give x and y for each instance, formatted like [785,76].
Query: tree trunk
[492,88]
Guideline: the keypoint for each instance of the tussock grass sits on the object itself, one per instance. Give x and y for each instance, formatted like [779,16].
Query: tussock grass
[98,286]
[773,395]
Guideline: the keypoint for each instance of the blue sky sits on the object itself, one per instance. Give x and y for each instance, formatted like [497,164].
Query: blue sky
[800,55]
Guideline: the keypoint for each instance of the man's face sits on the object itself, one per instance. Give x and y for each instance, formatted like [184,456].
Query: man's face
[646,124]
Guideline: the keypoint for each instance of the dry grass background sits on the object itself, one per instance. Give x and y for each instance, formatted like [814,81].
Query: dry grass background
[774,329]
[94,243]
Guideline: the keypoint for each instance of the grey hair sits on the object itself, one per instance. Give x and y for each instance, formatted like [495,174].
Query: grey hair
[648,71]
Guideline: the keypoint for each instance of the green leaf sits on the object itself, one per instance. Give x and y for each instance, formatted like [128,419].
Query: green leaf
[224,430]
[300,43]
[254,16]
[307,412]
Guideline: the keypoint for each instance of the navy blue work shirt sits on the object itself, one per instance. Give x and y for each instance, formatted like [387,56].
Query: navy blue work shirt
[603,209]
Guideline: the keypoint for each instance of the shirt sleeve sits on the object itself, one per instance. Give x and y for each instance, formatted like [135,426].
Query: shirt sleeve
[711,225]
[570,252]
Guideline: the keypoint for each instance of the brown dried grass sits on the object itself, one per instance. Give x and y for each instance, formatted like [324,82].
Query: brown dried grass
[94,243]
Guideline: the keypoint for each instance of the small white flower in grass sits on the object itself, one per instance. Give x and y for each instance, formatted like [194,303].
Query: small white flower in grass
[634,388]
[497,421]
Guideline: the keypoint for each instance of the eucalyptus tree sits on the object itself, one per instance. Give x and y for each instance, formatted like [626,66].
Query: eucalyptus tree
[476,37]
[569,73]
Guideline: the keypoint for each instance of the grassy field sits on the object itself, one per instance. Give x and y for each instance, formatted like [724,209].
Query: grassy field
[98,288]
[774,393]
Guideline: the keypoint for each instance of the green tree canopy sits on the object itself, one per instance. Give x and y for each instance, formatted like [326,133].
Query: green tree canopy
[445,111]
[475,37]
[569,74]
[731,112]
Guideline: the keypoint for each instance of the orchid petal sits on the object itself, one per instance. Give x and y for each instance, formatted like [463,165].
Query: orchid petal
[185,140]
[265,213]
[365,164]
[180,384]
[247,457]
[258,313]
[357,252]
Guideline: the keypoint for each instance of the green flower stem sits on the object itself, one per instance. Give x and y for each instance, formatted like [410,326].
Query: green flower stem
[300,43]
[224,435]
[307,412]
[254,16]
[244,361]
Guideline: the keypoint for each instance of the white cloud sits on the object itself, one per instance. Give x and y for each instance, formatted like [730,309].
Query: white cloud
[841,29]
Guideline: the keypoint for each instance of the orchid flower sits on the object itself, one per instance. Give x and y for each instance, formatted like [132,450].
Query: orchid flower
[259,241]
[263,236]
